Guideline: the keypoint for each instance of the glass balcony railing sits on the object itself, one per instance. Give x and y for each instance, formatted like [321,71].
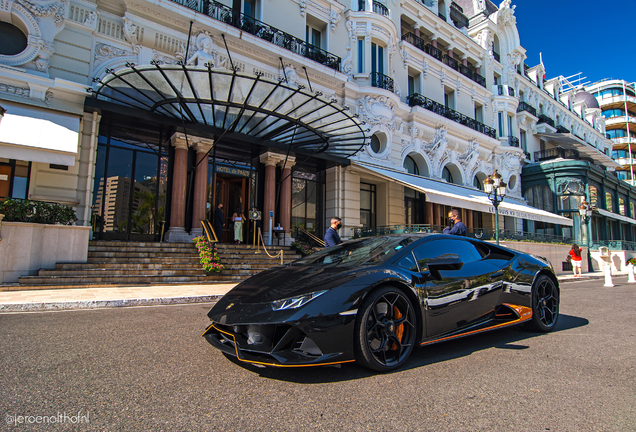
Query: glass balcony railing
[262,30]
[418,100]
[382,81]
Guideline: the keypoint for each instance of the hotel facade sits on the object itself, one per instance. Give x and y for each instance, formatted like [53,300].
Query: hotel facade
[145,115]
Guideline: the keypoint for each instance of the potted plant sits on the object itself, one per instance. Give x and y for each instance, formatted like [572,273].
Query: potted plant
[210,259]
[303,247]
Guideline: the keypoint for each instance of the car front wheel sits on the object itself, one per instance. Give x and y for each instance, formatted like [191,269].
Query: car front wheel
[545,305]
[385,330]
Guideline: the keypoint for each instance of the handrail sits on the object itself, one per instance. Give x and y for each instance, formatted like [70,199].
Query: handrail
[260,241]
[311,236]
[208,228]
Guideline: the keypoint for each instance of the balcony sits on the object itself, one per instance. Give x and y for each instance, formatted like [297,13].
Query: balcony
[419,100]
[436,53]
[376,7]
[547,120]
[262,30]
[555,153]
[504,90]
[457,16]
[562,129]
[513,141]
[382,81]
[496,56]
[442,16]
[524,106]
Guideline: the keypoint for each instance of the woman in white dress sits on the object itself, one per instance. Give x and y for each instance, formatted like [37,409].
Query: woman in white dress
[238,220]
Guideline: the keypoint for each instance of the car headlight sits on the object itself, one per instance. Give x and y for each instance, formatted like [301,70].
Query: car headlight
[295,302]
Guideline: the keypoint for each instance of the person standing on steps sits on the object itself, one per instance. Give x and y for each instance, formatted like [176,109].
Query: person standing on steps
[238,220]
[219,222]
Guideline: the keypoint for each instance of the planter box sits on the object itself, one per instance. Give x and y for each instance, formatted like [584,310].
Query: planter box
[26,248]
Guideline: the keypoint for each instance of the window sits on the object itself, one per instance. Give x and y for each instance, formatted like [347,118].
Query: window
[632,214]
[477,184]
[593,196]
[360,55]
[376,145]
[608,202]
[449,98]
[479,112]
[446,175]
[510,131]
[411,166]
[523,140]
[249,8]
[313,36]
[409,263]
[14,178]
[377,58]
[461,249]
[500,124]
[621,206]
[13,40]
[367,205]
[307,195]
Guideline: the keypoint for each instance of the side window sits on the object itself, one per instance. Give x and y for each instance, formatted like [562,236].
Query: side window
[438,248]
[409,263]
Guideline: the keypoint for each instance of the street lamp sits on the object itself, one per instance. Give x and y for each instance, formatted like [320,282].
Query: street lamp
[495,188]
[585,210]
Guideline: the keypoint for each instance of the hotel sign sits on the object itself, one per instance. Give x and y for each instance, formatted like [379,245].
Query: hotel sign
[517,214]
[232,171]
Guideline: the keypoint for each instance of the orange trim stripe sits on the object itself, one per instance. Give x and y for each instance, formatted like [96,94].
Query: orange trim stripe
[270,364]
[522,312]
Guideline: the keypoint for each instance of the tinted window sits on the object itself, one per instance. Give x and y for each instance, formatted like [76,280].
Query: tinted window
[437,248]
[375,250]
[409,263]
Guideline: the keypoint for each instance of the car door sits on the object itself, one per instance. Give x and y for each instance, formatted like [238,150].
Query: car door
[462,297]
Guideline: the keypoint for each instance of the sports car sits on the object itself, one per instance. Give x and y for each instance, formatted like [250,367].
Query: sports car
[373,300]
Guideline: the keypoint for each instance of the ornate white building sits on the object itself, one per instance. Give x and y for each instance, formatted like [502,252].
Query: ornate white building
[274,97]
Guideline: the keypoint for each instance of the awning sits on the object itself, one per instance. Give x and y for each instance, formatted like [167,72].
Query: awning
[615,216]
[271,111]
[571,141]
[37,135]
[459,196]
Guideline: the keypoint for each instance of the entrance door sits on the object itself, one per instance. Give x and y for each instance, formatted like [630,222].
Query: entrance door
[233,193]
[5,180]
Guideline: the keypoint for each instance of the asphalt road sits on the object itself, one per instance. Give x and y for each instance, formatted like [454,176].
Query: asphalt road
[133,369]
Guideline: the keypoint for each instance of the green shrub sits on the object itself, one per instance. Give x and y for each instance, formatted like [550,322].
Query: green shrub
[21,210]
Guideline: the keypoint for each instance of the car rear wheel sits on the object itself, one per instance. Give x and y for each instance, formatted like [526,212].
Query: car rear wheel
[545,305]
[385,330]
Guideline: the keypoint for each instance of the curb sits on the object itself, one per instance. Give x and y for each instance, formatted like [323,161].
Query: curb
[94,304]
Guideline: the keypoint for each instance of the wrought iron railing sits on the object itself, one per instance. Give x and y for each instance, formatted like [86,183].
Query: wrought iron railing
[513,141]
[442,16]
[437,108]
[450,62]
[614,244]
[524,106]
[478,233]
[382,81]
[429,49]
[562,129]
[376,7]
[545,119]
[262,30]
[496,56]
[555,153]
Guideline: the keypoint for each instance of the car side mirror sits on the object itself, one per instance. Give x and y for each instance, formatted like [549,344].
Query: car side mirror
[444,263]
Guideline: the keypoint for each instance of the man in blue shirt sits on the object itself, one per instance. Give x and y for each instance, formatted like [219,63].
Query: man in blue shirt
[458,226]
[331,236]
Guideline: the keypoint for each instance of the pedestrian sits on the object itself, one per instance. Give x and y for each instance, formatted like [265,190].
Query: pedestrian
[331,236]
[219,222]
[577,260]
[458,226]
[238,219]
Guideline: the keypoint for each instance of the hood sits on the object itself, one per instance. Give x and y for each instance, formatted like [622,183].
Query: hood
[290,281]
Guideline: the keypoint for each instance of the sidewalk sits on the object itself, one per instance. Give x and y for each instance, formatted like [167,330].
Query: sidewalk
[105,297]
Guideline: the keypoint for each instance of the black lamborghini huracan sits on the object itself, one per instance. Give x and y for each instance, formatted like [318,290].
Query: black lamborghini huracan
[374,299]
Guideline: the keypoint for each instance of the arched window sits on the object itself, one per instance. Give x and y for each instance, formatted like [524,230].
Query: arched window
[13,40]
[593,196]
[411,166]
[621,206]
[608,202]
[631,210]
[477,184]
[446,175]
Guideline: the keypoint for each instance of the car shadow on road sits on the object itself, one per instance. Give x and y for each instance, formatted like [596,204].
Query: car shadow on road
[511,338]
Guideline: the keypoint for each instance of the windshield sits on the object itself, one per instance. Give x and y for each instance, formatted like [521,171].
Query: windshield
[374,251]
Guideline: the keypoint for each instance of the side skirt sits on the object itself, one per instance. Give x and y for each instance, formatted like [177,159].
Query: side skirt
[513,315]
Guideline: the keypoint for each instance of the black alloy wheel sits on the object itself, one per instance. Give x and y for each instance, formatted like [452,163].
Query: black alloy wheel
[545,304]
[385,330]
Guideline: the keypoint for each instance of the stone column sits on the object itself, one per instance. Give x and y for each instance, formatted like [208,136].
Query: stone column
[437,220]
[270,160]
[202,146]
[177,232]
[428,206]
[285,197]
[469,219]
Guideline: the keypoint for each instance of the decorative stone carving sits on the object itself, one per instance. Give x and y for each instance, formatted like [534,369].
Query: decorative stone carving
[404,53]
[303,5]
[205,54]
[469,160]
[91,20]
[105,52]
[437,150]
[378,111]
[290,75]
[506,14]
[55,10]
[510,161]
[424,68]
[334,19]
[131,31]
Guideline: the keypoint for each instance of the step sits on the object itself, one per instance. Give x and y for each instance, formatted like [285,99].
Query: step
[120,254]
[164,250]
[123,280]
[132,266]
[111,243]
[155,260]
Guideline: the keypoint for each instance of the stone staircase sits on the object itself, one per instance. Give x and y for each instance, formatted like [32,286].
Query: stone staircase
[137,263]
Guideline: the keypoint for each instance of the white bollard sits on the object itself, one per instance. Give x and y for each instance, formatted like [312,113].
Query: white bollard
[608,276]
[630,269]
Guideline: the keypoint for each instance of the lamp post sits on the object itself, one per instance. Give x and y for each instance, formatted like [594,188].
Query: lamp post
[495,188]
[585,210]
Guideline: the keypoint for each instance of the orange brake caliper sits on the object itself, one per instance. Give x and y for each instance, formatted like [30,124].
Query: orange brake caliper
[399,331]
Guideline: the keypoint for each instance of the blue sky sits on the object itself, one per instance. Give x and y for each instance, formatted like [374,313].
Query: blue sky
[592,37]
